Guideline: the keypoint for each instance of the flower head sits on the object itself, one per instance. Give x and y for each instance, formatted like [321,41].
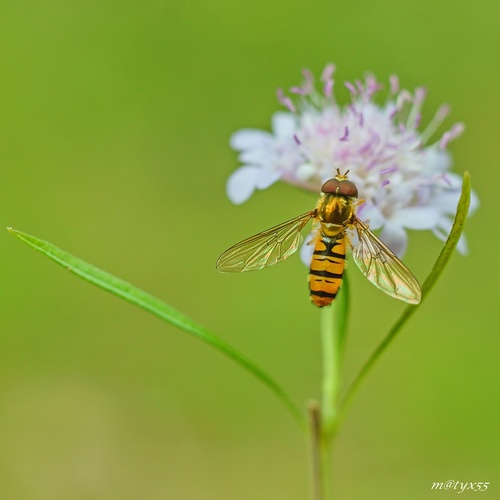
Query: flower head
[405,182]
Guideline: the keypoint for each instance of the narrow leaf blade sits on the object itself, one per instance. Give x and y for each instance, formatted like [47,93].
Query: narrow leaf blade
[155,306]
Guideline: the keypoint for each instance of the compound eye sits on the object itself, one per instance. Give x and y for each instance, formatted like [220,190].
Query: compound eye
[347,188]
[330,186]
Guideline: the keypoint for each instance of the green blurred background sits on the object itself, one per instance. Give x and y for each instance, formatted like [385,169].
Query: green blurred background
[115,120]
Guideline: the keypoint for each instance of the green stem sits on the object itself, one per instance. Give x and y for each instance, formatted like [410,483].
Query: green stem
[326,457]
[331,367]
[333,322]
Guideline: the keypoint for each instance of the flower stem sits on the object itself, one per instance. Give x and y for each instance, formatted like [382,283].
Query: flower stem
[324,419]
[331,367]
[333,328]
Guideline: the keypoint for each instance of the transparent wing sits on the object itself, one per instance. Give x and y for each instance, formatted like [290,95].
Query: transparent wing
[265,249]
[382,267]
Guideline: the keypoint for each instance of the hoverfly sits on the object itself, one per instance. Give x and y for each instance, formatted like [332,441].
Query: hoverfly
[333,220]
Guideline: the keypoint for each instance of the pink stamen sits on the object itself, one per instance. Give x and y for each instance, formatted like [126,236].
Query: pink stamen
[372,86]
[436,121]
[418,119]
[386,159]
[328,72]
[296,139]
[308,75]
[309,81]
[351,88]
[443,112]
[403,97]
[371,144]
[420,94]
[385,182]
[455,131]
[328,88]
[394,81]
[388,170]
[285,101]
[393,113]
[445,178]
[366,148]
[297,90]
[346,134]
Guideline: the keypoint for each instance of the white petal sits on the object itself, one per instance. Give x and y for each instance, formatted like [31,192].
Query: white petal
[462,246]
[241,184]
[305,171]
[450,180]
[442,231]
[416,217]
[474,202]
[446,201]
[371,214]
[400,194]
[352,236]
[267,178]
[395,237]
[249,138]
[256,156]
[437,159]
[307,249]
[283,124]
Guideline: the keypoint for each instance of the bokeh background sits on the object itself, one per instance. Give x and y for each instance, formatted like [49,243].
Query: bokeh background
[115,119]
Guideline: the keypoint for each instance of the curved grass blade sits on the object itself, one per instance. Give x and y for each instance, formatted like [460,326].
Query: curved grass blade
[157,307]
[438,268]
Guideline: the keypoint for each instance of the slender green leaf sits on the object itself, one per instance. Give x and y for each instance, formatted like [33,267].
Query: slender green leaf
[157,307]
[438,268]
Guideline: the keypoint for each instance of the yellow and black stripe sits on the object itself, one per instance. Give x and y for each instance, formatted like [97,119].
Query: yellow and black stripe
[327,269]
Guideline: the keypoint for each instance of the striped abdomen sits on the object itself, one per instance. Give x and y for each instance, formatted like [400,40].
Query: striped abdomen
[327,268]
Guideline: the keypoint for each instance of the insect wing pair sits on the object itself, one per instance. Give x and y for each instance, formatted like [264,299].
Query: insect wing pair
[334,218]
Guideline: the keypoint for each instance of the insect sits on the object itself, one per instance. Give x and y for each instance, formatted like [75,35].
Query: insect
[334,223]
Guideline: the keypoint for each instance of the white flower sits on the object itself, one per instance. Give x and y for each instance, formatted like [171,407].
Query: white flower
[404,182]
[265,156]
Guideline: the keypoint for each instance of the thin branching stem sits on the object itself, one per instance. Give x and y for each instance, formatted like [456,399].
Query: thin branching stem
[440,264]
